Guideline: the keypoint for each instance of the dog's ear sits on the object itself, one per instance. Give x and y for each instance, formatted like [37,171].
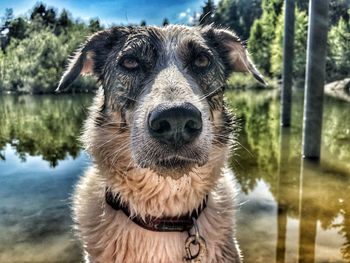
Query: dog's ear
[232,51]
[90,58]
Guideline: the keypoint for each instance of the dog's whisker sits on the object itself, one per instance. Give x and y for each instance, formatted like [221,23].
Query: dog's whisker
[114,136]
[209,94]
[112,123]
[117,152]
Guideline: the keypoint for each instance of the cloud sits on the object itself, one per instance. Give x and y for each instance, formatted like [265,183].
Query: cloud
[186,16]
[193,17]
[182,15]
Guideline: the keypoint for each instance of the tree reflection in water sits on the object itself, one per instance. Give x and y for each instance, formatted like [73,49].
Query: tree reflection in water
[42,125]
[316,194]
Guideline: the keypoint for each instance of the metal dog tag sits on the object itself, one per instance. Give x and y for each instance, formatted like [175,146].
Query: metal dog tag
[196,240]
[202,249]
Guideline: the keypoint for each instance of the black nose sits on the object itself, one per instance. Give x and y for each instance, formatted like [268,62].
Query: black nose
[175,125]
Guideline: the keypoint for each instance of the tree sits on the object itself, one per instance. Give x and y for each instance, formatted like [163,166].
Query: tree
[143,23]
[46,15]
[17,28]
[338,50]
[37,47]
[263,32]
[94,25]
[166,22]
[238,15]
[34,62]
[300,43]
[6,19]
[5,22]
[338,9]
[64,21]
[207,16]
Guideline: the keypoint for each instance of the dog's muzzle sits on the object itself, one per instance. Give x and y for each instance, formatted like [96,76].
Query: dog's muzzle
[175,125]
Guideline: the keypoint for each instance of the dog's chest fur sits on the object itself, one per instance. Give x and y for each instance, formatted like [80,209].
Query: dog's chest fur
[110,237]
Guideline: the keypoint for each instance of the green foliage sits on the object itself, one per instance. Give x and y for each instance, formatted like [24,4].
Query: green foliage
[300,44]
[17,29]
[35,64]
[47,15]
[338,9]
[94,25]
[238,15]
[35,61]
[339,50]
[37,49]
[277,47]
[267,51]
[262,34]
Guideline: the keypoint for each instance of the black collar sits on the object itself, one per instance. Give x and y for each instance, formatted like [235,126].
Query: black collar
[163,224]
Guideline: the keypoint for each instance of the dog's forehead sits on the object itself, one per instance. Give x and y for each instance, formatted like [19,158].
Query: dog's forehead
[169,37]
[178,33]
[179,36]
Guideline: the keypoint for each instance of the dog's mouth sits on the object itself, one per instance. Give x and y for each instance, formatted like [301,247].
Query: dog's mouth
[178,164]
[174,163]
[175,166]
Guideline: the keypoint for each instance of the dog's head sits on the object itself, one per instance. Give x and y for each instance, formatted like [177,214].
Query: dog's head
[162,105]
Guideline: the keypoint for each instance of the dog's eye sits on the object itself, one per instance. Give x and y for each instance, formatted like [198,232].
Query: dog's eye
[201,61]
[130,63]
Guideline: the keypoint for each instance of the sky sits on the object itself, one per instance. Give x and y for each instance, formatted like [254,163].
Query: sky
[116,11]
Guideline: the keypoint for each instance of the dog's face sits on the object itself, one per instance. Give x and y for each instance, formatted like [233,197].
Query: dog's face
[163,89]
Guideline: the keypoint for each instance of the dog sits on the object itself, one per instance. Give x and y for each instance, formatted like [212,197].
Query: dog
[160,134]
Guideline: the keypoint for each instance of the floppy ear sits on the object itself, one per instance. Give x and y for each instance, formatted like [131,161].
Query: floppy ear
[90,58]
[232,51]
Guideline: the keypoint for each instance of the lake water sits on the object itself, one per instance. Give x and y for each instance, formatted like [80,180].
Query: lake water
[289,210]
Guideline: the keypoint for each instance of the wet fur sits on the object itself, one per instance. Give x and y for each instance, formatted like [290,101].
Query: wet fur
[124,155]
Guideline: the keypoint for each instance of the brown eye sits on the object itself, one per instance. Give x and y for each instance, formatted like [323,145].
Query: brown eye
[201,61]
[130,63]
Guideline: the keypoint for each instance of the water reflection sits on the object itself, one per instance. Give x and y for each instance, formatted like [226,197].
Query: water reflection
[40,162]
[291,211]
[324,203]
[309,200]
[309,211]
[42,125]
[282,192]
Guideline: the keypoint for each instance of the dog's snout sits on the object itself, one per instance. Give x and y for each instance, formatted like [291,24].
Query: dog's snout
[175,125]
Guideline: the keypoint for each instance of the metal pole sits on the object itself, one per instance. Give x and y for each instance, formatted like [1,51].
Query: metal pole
[288,46]
[315,77]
